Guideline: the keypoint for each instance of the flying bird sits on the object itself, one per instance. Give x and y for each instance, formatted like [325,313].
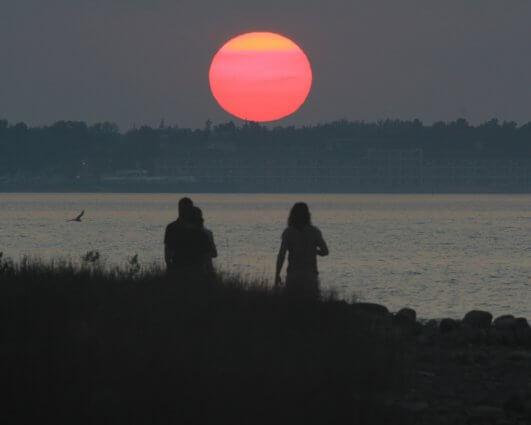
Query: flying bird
[78,218]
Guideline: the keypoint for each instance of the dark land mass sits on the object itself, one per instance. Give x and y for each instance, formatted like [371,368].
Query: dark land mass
[83,345]
[337,157]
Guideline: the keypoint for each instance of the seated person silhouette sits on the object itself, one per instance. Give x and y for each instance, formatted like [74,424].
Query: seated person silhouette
[197,218]
[186,245]
[303,242]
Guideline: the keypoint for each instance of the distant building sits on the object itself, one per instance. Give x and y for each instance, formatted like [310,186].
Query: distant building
[377,170]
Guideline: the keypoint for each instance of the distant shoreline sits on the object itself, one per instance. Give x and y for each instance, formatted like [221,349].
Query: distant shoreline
[269,192]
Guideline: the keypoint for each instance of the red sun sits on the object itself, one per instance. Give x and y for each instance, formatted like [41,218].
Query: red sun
[260,76]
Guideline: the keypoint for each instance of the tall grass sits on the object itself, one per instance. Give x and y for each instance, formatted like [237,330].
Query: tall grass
[84,344]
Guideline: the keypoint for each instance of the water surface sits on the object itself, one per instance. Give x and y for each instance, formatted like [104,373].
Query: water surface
[440,254]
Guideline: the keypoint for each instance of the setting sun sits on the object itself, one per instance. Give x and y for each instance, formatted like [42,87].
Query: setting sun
[260,76]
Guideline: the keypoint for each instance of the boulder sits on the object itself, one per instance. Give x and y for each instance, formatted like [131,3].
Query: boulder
[478,319]
[509,337]
[505,322]
[485,414]
[371,308]
[520,356]
[516,404]
[414,406]
[426,340]
[495,336]
[406,316]
[448,325]
[513,331]
[522,323]
[523,336]
[474,335]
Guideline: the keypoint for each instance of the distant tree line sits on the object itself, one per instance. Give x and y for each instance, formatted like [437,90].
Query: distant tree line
[68,147]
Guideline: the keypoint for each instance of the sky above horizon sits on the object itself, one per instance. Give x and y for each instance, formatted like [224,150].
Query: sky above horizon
[135,62]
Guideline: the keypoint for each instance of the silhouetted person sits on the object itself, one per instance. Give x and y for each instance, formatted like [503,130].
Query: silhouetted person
[197,218]
[303,242]
[186,245]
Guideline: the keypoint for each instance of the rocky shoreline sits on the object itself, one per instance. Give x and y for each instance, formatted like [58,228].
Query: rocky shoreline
[87,346]
[471,371]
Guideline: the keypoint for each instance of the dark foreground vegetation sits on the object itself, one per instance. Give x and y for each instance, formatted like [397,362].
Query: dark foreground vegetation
[83,345]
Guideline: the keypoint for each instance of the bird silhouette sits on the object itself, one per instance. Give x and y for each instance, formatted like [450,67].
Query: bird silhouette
[78,218]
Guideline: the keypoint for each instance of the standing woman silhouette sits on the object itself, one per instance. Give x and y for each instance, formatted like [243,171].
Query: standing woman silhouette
[303,242]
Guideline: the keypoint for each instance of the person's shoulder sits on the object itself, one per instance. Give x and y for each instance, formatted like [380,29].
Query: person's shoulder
[169,234]
[315,230]
[176,227]
[172,225]
[287,231]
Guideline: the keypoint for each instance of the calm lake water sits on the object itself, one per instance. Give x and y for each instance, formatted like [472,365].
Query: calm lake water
[440,254]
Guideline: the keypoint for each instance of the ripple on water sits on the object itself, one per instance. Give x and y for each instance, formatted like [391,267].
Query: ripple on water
[438,253]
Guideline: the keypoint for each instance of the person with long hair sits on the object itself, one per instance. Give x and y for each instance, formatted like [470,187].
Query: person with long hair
[173,234]
[303,242]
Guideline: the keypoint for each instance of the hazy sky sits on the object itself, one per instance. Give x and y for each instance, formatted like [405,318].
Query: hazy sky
[139,61]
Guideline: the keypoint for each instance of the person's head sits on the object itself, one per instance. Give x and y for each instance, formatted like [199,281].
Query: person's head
[299,216]
[197,216]
[185,208]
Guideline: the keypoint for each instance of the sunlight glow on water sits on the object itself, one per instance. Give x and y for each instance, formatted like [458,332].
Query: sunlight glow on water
[440,254]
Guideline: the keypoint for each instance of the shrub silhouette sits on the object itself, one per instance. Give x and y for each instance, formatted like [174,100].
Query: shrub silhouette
[99,348]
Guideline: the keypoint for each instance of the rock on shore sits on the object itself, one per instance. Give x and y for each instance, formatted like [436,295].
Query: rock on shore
[476,370]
